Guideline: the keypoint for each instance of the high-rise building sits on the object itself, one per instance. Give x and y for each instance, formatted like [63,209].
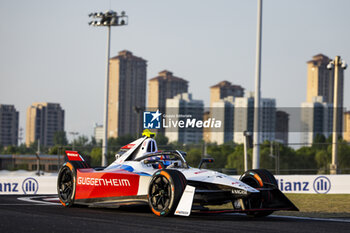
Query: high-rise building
[223,110]
[320,82]
[206,131]
[346,132]
[224,89]
[268,119]
[181,106]
[244,118]
[319,79]
[127,94]
[164,86]
[9,119]
[282,123]
[218,92]
[43,121]
[98,133]
[316,118]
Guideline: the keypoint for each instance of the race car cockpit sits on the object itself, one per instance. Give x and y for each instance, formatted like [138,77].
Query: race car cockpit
[145,150]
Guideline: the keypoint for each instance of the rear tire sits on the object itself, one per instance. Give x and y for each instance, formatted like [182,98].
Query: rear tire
[165,191]
[66,184]
[259,178]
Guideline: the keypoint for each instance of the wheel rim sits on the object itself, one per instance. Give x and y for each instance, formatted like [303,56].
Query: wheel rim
[66,184]
[160,194]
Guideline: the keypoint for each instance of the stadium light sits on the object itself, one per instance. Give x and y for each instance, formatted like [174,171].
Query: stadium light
[256,136]
[108,19]
[335,64]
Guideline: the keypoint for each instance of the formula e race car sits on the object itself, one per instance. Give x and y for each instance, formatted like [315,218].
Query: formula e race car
[162,179]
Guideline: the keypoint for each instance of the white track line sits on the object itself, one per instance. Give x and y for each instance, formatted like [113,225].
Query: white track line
[301,218]
[29,199]
[20,204]
[310,218]
[46,202]
[52,199]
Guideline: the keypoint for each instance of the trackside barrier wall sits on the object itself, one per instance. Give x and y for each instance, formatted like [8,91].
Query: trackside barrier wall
[332,184]
[28,185]
[322,184]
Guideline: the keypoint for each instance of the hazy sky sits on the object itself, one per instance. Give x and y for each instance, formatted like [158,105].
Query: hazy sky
[49,53]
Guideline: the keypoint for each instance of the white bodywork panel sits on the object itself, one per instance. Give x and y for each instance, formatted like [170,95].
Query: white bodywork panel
[214,177]
[147,145]
[143,185]
[185,204]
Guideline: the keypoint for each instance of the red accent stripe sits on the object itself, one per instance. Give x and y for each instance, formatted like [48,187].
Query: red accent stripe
[129,146]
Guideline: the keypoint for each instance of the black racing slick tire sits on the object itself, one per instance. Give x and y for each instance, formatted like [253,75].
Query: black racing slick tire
[259,178]
[66,185]
[165,191]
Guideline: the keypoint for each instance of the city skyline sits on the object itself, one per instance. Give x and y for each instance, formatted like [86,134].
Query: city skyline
[229,91]
[63,59]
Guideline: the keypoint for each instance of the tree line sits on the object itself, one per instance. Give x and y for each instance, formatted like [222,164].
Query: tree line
[276,157]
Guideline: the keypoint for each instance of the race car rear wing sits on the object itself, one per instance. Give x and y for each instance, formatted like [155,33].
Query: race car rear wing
[74,156]
[76,159]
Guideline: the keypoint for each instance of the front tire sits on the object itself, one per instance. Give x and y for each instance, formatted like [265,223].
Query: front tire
[165,191]
[259,178]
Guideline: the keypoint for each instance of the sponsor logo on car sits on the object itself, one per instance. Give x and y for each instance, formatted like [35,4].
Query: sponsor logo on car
[239,191]
[72,154]
[103,182]
[180,212]
[200,172]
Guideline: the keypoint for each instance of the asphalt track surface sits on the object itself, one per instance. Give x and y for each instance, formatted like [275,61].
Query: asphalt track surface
[44,214]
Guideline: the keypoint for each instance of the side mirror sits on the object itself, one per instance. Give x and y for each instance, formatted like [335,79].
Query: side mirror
[205,160]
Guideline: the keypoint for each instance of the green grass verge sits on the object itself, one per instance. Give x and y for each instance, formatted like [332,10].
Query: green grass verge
[325,203]
[313,205]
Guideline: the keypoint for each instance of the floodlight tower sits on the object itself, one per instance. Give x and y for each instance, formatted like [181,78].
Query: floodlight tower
[107,19]
[336,64]
[256,140]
